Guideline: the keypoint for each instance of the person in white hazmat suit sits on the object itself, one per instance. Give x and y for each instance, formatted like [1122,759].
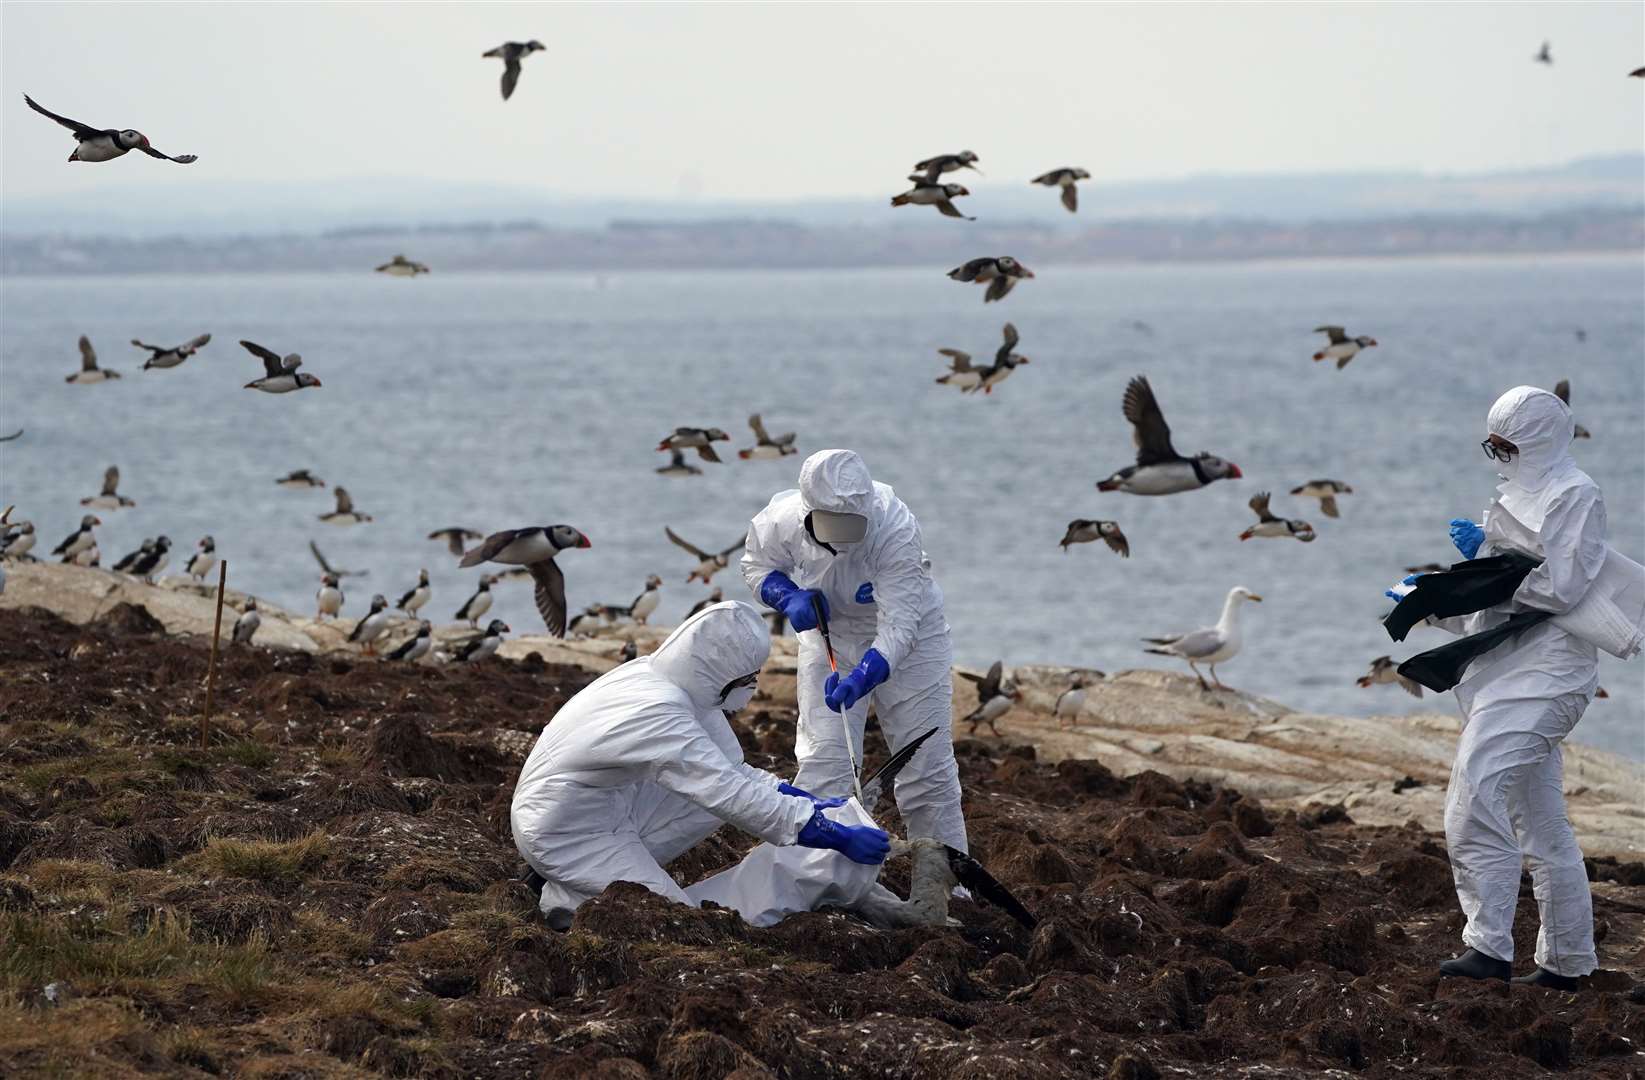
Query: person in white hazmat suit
[1506,800]
[641,765]
[849,543]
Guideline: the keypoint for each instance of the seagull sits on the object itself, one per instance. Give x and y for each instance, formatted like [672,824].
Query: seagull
[1084,530]
[511,53]
[1270,526]
[707,565]
[400,266]
[314,549]
[1562,390]
[483,647]
[1341,348]
[1001,273]
[647,601]
[89,371]
[280,376]
[330,596]
[1544,56]
[994,697]
[167,358]
[677,466]
[454,537]
[415,597]
[1326,491]
[300,478]
[416,647]
[534,548]
[933,167]
[372,627]
[345,514]
[479,603]
[109,498]
[201,562]
[106,144]
[925,193]
[698,439]
[1064,178]
[245,627]
[1160,470]
[765,447]
[1383,670]
[1070,702]
[1211,645]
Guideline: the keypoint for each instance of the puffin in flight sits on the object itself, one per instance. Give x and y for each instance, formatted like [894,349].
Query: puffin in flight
[1064,178]
[708,564]
[765,447]
[105,144]
[1000,273]
[1270,526]
[166,358]
[1341,348]
[933,167]
[534,548]
[511,53]
[1085,530]
[89,371]
[925,193]
[109,498]
[280,375]
[1160,470]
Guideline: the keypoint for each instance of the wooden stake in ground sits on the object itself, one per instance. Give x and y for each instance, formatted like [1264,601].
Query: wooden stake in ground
[216,635]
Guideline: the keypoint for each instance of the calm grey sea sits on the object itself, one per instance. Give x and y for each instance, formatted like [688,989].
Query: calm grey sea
[496,401]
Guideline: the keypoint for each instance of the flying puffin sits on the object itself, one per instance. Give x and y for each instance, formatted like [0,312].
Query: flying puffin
[483,647]
[1326,491]
[1064,178]
[416,597]
[707,564]
[106,144]
[78,540]
[534,548]
[1384,670]
[933,194]
[1084,530]
[345,514]
[995,695]
[300,478]
[713,598]
[933,167]
[1544,55]
[698,439]
[89,372]
[414,648]
[1160,470]
[148,563]
[511,53]
[961,374]
[478,604]
[201,562]
[109,498]
[1005,362]
[400,266]
[766,448]
[372,627]
[330,596]
[454,538]
[245,627]
[1271,527]
[1562,390]
[1000,273]
[280,376]
[1342,348]
[168,358]
[678,467]
[647,601]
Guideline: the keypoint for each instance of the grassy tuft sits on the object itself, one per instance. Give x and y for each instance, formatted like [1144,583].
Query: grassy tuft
[263,860]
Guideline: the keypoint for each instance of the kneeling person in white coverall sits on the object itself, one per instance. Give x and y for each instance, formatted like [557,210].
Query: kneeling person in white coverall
[641,765]
[849,544]
[1506,801]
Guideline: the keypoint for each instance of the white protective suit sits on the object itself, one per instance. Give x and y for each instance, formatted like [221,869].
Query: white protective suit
[642,765]
[903,620]
[1506,801]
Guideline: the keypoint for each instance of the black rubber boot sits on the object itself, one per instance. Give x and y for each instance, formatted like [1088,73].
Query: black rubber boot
[1549,981]
[1473,964]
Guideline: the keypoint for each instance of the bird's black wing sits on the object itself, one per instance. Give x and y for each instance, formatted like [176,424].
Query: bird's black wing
[88,355]
[492,545]
[1149,429]
[876,784]
[409,593]
[405,647]
[1011,339]
[511,75]
[734,547]
[1118,543]
[990,685]
[1562,390]
[272,364]
[969,872]
[760,437]
[550,595]
[181,159]
[321,559]
[1259,503]
[13,435]
[1337,334]
[948,209]
[968,271]
[81,131]
[1070,197]
[155,349]
[694,549]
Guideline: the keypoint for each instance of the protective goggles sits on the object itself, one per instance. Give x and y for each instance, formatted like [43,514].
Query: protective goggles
[1496,452]
[829,527]
[738,684]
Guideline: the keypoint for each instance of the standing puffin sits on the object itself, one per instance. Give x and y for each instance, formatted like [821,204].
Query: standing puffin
[400,266]
[647,601]
[1342,348]
[245,627]
[169,358]
[372,627]
[416,597]
[329,598]
[1084,530]
[106,144]
[414,648]
[483,647]
[78,540]
[924,193]
[17,539]
[933,167]
[1326,491]
[147,563]
[89,372]
[1271,527]
[109,498]
[300,478]
[280,375]
[478,604]
[1160,470]
[1070,702]
[1001,274]
[128,560]
[345,514]
[201,562]
[534,548]
[511,53]
[765,447]
[1064,178]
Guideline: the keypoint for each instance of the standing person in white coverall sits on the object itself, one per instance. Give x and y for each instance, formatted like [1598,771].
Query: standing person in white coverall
[851,543]
[641,765]
[1506,801]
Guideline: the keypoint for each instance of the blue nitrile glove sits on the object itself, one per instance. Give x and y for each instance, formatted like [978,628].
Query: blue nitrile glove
[1466,536]
[1396,597]
[780,592]
[865,593]
[841,694]
[859,843]
[821,804]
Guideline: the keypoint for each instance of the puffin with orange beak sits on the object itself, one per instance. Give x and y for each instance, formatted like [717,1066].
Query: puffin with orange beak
[534,548]
[105,144]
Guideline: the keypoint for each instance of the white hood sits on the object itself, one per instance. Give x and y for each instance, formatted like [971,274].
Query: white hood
[720,643]
[838,481]
[1540,425]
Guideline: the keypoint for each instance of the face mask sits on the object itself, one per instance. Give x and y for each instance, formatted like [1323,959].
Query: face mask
[738,699]
[1509,469]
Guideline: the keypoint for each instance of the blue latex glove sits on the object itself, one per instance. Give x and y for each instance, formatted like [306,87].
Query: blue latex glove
[821,804]
[1410,579]
[865,593]
[779,591]
[859,843]
[1466,536]
[841,694]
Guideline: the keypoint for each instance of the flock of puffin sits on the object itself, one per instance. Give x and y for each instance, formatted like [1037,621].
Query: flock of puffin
[1159,468]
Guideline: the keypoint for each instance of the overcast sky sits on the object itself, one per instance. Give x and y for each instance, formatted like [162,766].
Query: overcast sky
[735,101]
